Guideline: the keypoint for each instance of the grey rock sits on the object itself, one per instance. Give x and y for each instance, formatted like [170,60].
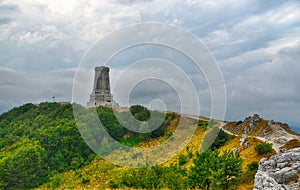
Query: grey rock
[281,141]
[280,165]
[279,172]
[253,121]
[247,145]
[263,181]
[243,139]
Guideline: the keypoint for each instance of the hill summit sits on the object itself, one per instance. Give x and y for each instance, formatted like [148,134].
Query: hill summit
[277,133]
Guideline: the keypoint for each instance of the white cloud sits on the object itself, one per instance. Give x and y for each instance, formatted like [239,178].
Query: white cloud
[271,87]
[256,43]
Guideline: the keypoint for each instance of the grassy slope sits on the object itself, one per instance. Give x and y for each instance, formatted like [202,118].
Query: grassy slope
[248,155]
[97,174]
[94,176]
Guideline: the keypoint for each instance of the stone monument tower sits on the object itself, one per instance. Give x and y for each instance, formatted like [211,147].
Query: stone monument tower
[101,95]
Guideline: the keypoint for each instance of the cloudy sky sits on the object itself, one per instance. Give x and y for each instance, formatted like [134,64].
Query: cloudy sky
[256,44]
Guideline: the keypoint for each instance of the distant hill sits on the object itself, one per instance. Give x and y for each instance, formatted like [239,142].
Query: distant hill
[296,129]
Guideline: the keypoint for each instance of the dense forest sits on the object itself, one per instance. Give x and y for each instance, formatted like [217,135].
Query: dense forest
[40,141]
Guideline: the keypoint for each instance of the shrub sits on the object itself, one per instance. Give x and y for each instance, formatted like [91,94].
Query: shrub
[190,154]
[85,180]
[172,177]
[160,131]
[130,141]
[221,139]
[263,148]
[169,134]
[181,160]
[253,166]
[112,184]
[202,123]
[238,123]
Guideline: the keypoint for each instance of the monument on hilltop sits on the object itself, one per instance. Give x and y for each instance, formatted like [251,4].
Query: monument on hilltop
[101,95]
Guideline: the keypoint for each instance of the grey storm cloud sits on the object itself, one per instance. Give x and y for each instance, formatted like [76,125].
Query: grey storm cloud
[256,44]
[131,1]
[20,87]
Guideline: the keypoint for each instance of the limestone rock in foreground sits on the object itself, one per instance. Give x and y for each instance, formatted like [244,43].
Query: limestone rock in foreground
[280,172]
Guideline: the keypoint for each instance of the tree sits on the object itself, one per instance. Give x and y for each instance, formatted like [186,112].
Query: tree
[232,165]
[139,112]
[23,167]
[198,176]
[212,171]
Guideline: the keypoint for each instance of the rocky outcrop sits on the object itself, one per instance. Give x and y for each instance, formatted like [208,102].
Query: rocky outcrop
[279,172]
[273,132]
[255,119]
[251,125]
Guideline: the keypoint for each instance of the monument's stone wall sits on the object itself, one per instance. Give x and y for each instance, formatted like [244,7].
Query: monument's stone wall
[101,95]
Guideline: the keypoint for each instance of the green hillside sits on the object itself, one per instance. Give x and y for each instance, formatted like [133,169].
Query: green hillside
[37,142]
[41,147]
